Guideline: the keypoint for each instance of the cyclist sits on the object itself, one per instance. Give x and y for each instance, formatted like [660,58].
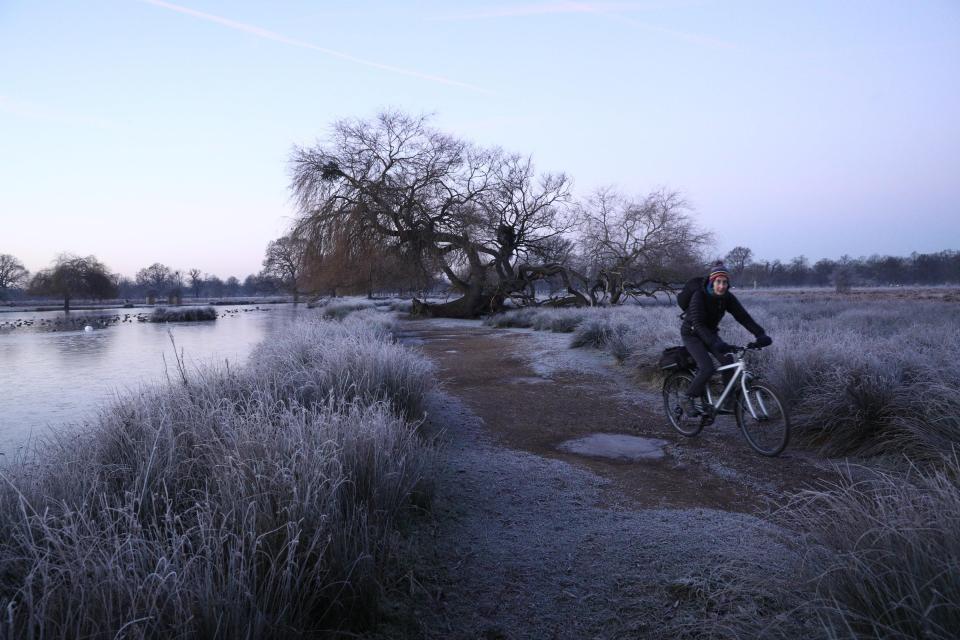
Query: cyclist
[700,321]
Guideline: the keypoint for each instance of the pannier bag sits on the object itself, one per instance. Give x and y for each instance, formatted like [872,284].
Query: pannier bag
[676,358]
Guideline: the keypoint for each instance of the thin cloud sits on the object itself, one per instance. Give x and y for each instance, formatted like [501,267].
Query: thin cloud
[610,10]
[277,37]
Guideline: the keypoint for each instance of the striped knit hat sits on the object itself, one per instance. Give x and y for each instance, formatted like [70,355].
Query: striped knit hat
[718,271]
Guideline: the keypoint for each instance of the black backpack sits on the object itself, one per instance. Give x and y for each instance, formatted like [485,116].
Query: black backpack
[683,298]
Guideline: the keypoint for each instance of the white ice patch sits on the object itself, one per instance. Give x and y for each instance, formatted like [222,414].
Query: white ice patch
[616,446]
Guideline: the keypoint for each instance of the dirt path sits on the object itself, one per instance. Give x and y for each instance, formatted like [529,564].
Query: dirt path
[531,540]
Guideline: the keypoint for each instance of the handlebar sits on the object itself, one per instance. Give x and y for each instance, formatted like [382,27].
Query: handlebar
[745,348]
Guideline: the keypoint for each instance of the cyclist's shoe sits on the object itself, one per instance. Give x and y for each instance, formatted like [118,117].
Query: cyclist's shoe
[692,406]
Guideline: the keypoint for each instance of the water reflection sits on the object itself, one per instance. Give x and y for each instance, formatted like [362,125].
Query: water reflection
[48,379]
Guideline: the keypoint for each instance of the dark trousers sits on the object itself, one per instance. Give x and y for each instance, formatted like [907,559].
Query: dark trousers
[705,366]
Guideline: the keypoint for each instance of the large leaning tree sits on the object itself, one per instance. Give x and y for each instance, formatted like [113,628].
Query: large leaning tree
[482,217]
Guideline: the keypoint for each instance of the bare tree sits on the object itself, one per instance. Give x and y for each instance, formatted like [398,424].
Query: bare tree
[72,277]
[637,247]
[284,263]
[176,286]
[156,278]
[483,217]
[12,274]
[196,281]
[737,260]
[214,285]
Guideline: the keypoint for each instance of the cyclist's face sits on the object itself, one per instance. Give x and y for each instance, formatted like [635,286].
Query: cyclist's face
[720,286]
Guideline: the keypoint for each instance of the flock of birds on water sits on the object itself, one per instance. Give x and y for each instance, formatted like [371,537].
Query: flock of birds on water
[94,322]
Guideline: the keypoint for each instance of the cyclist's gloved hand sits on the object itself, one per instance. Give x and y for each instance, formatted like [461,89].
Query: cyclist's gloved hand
[762,340]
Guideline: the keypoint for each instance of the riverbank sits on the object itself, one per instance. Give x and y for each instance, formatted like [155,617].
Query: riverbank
[41,306]
[262,501]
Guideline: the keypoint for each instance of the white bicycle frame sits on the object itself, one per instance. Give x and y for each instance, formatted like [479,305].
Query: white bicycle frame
[739,374]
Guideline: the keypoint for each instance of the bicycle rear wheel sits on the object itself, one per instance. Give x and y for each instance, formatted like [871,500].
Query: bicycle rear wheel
[674,389]
[767,428]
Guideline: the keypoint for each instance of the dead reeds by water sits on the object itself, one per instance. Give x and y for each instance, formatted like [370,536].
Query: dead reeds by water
[262,502]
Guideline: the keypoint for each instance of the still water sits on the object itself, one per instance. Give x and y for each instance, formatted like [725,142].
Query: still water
[50,379]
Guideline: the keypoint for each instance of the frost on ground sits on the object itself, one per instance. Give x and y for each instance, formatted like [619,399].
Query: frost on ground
[522,547]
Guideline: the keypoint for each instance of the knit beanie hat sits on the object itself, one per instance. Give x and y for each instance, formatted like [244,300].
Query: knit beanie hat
[718,271]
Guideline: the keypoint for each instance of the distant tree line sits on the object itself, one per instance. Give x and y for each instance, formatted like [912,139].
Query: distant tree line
[925,269]
[72,277]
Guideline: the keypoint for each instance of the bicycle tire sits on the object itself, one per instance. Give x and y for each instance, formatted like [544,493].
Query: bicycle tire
[769,433]
[674,388]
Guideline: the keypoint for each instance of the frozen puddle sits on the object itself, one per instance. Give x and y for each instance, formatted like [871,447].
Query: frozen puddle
[528,380]
[616,446]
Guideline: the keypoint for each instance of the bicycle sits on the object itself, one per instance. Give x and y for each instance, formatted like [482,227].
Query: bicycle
[759,412]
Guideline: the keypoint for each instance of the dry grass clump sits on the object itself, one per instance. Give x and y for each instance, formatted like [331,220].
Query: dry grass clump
[874,555]
[185,314]
[877,556]
[885,559]
[260,503]
[539,319]
[340,310]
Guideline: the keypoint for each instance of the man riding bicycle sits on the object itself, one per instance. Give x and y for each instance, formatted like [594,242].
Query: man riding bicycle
[698,330]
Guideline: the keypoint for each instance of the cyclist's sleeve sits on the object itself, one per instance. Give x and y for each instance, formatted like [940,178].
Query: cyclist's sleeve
[740,315]
[696,314]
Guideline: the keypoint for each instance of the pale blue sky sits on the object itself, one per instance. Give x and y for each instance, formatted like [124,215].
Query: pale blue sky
[145,131]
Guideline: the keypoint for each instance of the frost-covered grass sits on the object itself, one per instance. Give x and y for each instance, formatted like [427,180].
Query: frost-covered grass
[184,314]
[341,308]
[877,557]
[883,555]
[862,377]
[262,502]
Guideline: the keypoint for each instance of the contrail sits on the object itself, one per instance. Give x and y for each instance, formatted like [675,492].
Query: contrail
[277,37]
[609,10]
[547,8]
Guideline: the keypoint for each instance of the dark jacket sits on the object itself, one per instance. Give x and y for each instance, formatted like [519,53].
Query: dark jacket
[705,311]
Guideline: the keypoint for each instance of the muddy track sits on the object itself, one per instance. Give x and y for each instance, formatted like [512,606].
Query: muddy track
[530,539]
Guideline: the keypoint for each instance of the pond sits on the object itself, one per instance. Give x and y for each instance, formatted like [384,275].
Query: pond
[53,378]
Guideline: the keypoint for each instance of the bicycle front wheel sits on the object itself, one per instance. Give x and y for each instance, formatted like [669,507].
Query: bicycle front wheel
[674,389]
[763,419]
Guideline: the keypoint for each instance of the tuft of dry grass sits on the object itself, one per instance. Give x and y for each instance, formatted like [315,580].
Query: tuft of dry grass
[262,502]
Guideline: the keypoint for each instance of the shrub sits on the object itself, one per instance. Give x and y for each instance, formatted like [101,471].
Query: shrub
[185,314]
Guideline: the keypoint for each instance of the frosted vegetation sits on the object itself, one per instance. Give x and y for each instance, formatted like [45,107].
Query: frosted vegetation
[877,380]
[861,378]
[262,502]
[184,314]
